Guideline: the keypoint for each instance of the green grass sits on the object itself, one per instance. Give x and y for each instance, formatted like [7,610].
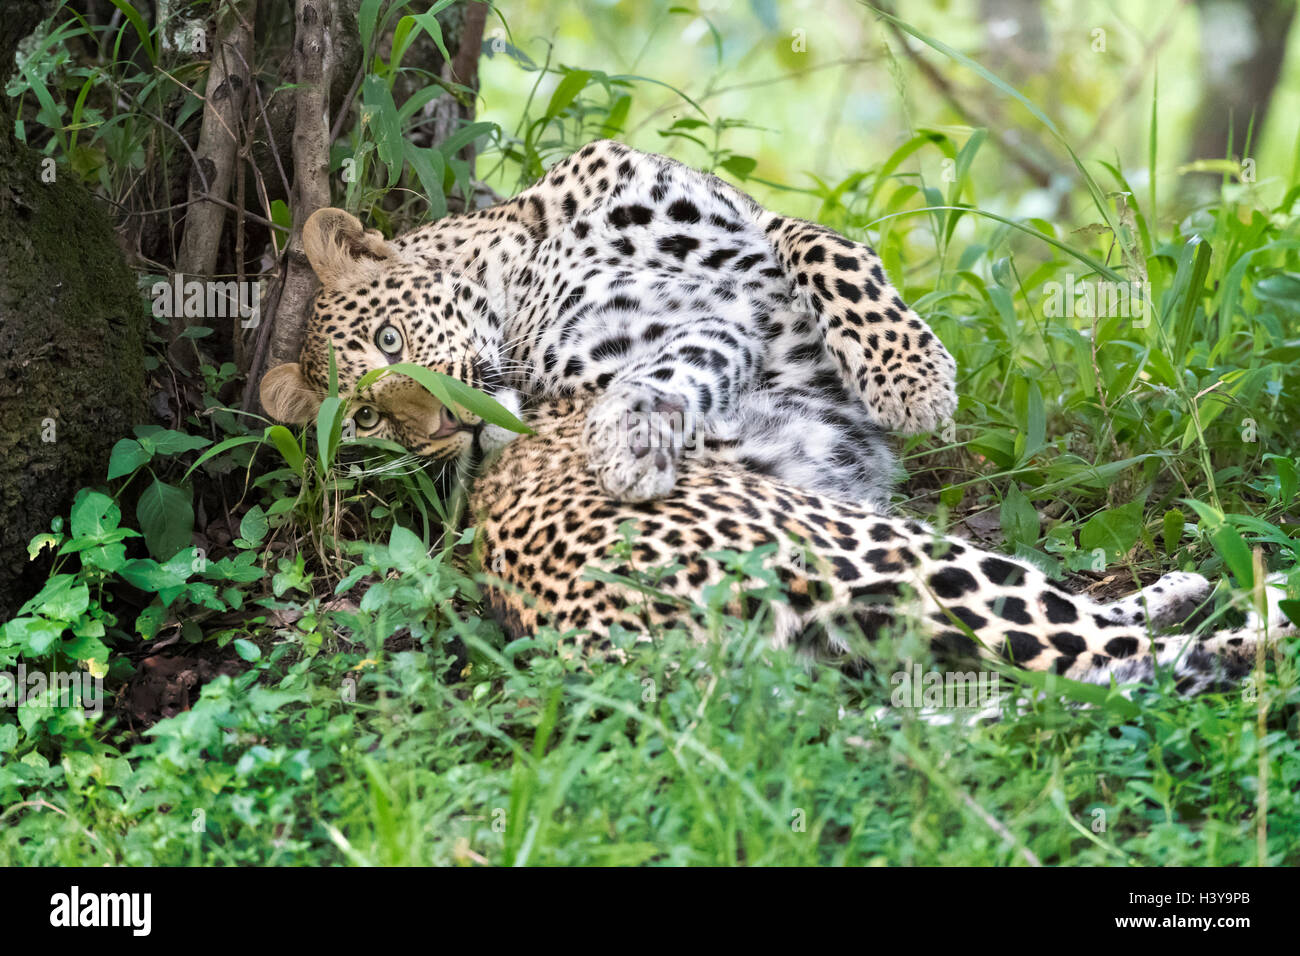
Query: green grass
[723,754]
[400,727]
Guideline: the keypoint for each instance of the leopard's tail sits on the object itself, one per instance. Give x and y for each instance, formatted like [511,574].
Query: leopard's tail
[1213,662]
[974,605]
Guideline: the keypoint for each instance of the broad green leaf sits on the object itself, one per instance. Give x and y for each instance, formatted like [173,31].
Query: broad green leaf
[367,19]
[253,526]
[133,17]
[1173,524]
[63,598]
[429,168]
[1282,289]
[127,455]
[93,514]
[996,446]
[1035,420]
[86,648]
[1234,551]
[964,160]
[450,391]
[1291,609]
[1196,261]
[329,428]
[405,548]
[148,575]
[149,621]
[379,116]
[484,406]
[616,118]
[464,135]
[105,552]
[1020,522]
[34,635]
[166,441]
[281,215]
[1115,530]
[739,166]
[166,516]
[1287,479]
[288,447]
[406,31]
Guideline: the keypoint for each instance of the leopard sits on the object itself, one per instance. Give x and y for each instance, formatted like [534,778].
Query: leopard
[700,323]
[548,506]
[849,574]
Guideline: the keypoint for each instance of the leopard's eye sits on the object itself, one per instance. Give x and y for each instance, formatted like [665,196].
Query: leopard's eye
[389,340]
[366,416]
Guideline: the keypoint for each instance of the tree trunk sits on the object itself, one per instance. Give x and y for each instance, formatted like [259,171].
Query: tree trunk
[72,327]
[220,138]
[311,188]
[1242,48]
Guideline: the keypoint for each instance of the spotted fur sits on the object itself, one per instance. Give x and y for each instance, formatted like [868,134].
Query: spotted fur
[670,297]
[849,571]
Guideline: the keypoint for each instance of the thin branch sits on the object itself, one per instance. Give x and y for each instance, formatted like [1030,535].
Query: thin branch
[1140,69]
[200,197]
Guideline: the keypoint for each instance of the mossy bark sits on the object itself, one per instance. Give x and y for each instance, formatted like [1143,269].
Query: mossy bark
[72,328]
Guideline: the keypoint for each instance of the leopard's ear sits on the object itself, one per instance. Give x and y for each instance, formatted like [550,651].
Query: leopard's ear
[287,397]
[342,251]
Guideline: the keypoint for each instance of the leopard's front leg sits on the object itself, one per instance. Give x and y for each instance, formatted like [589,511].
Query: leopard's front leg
[885,352]
[656,409]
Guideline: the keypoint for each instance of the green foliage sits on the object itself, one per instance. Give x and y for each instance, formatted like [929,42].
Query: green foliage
[383,718]
[389,751]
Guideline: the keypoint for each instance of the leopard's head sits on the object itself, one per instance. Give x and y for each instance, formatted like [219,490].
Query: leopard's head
[377,308]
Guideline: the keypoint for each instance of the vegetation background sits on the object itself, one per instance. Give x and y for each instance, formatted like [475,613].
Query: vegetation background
[288,623]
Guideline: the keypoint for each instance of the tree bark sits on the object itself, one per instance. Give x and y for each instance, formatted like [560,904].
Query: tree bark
[217,154]
[72,328]
[311,189]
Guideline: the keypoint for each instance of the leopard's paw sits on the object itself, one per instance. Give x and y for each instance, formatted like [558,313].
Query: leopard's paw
[909,390]
[493,437]
[634,438]
[1175,596]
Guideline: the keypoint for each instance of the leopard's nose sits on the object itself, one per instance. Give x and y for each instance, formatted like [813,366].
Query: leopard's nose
[447,423]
